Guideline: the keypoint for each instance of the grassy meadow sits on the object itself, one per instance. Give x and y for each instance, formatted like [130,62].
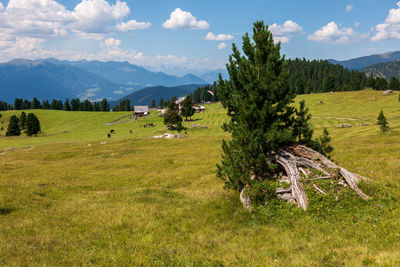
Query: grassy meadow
[72,197]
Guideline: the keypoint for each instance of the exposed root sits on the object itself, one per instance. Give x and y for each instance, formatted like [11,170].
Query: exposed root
[295,157]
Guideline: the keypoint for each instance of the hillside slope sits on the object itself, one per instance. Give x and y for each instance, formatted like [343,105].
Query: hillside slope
[363,62]
[384,70]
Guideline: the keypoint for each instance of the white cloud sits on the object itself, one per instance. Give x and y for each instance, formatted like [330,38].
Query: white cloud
[331,33]
[221,46]
[390,29]
[220,37]
[349,8]
[180,19]
[119,92]
[284,32]
[356,24]
[132,25]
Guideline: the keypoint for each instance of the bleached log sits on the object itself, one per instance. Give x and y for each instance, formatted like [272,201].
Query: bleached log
[288,162]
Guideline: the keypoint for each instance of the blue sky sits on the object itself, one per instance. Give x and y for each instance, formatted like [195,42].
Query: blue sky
[171,35]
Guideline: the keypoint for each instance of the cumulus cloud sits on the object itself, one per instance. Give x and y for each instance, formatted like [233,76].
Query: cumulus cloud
[221,46]
[284,32]
[49,19]
[390,29]
[220,37]
[332,33]
[180,19]
[349,8]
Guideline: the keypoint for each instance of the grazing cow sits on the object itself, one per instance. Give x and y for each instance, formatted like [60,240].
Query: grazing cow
[112,131]
[109,135]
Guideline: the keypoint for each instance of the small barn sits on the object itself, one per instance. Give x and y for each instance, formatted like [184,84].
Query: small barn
[140,111]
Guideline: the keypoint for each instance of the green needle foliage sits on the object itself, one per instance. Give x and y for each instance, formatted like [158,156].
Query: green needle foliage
[259,108]
[323,145]
[302,127]
[32,124]
[22,121]
[382,122]
[13,127]
[187,109]
[171,117]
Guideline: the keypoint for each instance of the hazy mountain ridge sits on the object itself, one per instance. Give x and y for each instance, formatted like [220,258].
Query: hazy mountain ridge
[146,95]
[365,61]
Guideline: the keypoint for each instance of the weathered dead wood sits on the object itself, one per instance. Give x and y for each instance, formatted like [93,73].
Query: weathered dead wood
[318,189]
[320,160]
[288,162]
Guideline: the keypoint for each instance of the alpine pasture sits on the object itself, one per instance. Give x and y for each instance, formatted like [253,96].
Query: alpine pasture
[71,196]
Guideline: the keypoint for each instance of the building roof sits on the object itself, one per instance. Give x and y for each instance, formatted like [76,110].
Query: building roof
[140,109]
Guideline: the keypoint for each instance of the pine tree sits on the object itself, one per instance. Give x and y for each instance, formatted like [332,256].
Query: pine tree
[22,121]
[302,127]
[171,117]
[153,103]
[394,84]
[382,122]
[32,124]
[35,103]
[104,106]
[161,105]
[187,109]
[67,106]
[13,127]
[323,143]
[259,108]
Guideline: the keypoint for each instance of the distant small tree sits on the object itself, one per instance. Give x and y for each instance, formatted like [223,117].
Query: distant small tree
[161,105]
[171,117]
[153,103]
[302,128]
[32,124]
[22,120]
[381,84]
[323,143]
[13,127]
[394,84]
[382,122]
[370,82]
[329,83]
[35,103]
[67,106]
[187,107]
[104,106]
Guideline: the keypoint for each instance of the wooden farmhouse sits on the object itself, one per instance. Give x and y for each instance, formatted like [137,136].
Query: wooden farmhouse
[140,111]
[196,107]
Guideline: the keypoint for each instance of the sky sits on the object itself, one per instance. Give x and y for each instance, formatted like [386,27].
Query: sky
[177,36]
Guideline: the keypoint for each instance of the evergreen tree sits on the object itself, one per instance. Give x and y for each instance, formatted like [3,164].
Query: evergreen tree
[370,82]
[18,104]
[153,103]
[45,104]
[161,105]
[171,116]
[26,104]
[259,108]
[13,127]
[75,104]
[381,84]
[323,143]
[35,103]
[394,84]
[329,83]
[104,106]
[302,128]
[382,122]
[32,124]
[187,109]
[22,121]
[67,106]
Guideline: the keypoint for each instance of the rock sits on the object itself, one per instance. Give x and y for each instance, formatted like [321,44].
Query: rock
[195,125]
[363,124]
[387,92]
[343,125]
[166,135]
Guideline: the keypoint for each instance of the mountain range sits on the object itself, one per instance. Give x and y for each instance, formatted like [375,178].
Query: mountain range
[363,62]
[384,70]
[56,79]
[145,96]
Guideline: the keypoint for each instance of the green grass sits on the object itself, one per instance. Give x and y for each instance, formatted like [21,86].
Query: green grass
[141,201]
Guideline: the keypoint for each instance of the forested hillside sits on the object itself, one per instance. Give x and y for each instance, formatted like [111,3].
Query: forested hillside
[317,76]
[384,70]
